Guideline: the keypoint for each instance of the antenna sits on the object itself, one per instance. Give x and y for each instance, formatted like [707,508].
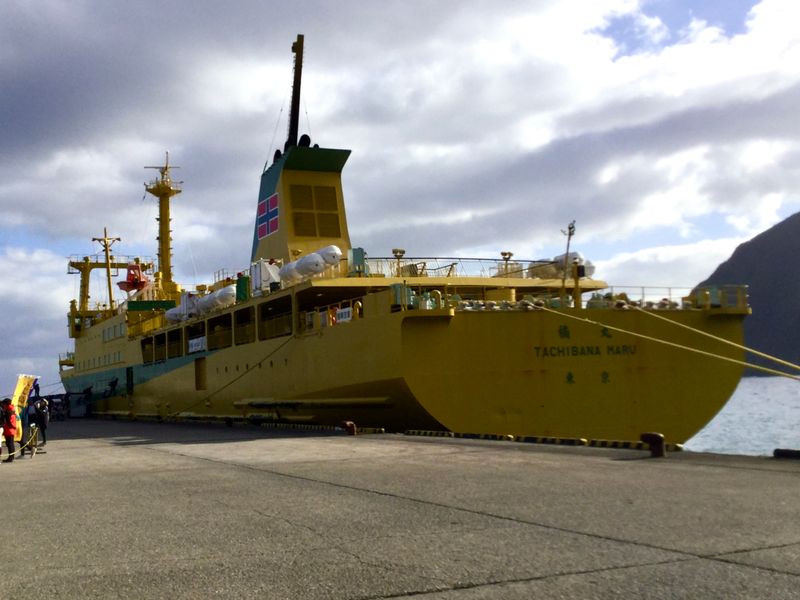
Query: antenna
[164,169]
[569,233]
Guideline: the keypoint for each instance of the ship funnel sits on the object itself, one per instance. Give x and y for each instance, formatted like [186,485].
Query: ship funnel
[300,206]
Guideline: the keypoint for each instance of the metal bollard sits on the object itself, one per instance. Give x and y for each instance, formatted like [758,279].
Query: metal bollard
[656,443]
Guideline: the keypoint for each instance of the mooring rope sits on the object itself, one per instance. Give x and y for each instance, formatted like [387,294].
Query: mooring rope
[720,339]
[235,379]
[673,344]
[33,436]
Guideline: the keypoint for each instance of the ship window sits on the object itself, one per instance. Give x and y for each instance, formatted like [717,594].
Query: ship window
[195,337]
[244,328]
[274,319]
[147,350]
[174,343]
[220,332]
[160,352]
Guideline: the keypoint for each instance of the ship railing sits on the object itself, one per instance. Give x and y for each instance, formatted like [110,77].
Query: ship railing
[227,276]
[66,360]
[647,296]
[728,297]
[732,298]
[451,267]
[430,267]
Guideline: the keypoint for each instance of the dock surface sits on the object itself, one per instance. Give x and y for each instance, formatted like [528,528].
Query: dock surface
[146,510]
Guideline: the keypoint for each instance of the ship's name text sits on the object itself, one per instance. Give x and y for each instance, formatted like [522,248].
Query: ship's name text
[575,351]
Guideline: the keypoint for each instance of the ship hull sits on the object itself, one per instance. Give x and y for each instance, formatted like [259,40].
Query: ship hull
[528,373]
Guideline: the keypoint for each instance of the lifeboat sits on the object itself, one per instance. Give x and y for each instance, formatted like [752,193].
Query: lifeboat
[135,280]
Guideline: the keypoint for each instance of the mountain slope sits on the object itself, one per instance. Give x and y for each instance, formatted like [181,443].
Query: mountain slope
[768,264]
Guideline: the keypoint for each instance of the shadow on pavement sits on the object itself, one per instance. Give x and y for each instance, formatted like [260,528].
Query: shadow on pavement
[127,433]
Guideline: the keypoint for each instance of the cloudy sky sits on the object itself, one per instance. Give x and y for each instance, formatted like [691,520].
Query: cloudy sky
[667,129]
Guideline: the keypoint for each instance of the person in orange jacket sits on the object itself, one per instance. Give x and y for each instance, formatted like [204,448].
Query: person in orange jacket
[9,416]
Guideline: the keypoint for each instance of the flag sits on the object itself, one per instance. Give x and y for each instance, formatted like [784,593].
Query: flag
[24,389]
[267,216]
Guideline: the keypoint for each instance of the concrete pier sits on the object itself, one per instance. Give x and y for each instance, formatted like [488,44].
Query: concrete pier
[145,510]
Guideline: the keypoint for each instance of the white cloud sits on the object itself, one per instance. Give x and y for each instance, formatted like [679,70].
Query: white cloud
[680,266]
[764,215]
[758,154]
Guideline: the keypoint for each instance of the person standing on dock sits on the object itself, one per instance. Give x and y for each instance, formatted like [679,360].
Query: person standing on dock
[41,417]
[9,416]
[25,423]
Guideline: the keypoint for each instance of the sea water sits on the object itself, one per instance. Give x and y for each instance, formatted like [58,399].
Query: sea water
[763,414]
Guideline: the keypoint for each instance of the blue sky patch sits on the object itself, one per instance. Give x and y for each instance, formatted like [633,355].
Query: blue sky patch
[639,33]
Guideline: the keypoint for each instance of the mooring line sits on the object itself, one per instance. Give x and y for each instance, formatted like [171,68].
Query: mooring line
[235,379]
[673,344]
[720,339]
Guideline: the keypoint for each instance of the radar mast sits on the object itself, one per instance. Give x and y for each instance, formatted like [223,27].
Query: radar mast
[165,188]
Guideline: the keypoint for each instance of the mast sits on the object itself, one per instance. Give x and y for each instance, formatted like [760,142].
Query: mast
[107,242]
[80,314]
[294,114]
[164,188]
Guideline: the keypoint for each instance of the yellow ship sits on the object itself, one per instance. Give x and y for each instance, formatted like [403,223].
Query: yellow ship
[316,331]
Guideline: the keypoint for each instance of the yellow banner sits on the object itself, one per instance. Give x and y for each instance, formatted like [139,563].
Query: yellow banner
[20,399]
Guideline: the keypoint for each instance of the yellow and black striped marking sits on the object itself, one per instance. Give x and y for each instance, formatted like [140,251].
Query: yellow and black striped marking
[366,430]
[425,432]
[499,437]
[533,439]
[299,426]
[629,445]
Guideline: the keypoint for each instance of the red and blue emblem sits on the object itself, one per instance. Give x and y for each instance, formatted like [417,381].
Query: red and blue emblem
[267,216]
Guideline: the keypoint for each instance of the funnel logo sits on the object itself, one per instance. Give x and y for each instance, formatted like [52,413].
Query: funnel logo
[267,216]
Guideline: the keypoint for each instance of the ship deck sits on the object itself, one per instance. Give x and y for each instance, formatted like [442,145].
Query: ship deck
[145,510]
